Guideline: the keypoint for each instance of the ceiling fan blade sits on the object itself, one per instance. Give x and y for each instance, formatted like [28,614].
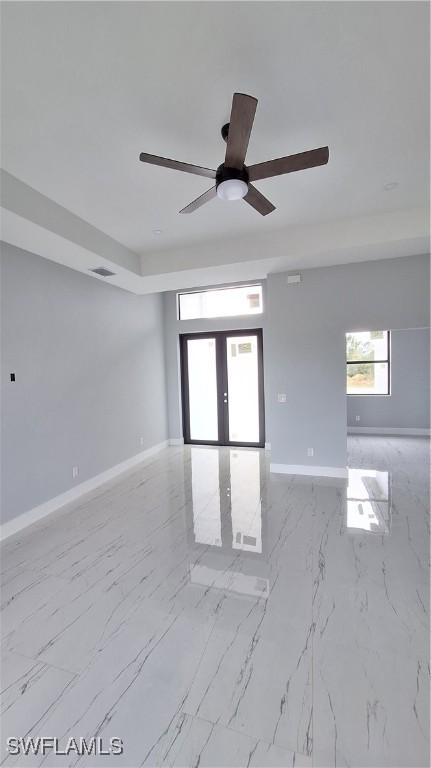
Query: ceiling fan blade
[240,125]
[175,165]
[205,198]
[258,201]
[289,164]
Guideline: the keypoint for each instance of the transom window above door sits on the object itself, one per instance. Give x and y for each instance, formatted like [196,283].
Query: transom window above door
[220,302]
[368,363]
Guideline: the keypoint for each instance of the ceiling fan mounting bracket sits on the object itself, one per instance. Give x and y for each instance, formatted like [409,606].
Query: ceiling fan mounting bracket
[225,131]
[224,173]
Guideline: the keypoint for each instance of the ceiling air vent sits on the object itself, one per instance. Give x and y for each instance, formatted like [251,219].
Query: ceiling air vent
[103,272]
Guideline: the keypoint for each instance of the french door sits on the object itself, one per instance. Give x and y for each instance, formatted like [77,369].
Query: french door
[222,388]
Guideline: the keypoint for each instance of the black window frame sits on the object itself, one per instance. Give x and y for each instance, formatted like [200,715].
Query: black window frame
[373,362]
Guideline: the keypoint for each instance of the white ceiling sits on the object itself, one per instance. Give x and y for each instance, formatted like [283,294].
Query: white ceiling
[87,86]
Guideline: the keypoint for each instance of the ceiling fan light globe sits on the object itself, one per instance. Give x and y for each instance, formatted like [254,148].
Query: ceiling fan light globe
[232,189]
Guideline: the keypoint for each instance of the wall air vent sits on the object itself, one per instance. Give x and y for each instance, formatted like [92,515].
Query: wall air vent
[102,272]
[292,279]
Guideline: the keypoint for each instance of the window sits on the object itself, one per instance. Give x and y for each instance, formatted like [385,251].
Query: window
[367,363]
[221,302]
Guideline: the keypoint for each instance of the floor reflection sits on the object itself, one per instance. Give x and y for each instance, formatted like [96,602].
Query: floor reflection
[227,526]
[246,500]
[233,581]
[206,496]
[369,501]
[227,492]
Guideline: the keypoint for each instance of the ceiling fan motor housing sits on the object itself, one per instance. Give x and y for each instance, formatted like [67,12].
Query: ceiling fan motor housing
[224,173]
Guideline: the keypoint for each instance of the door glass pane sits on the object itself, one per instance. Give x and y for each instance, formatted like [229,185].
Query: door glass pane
[202,389]
[242,374]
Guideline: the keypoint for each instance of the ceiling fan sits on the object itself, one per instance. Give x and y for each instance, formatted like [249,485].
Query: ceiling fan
[232,178]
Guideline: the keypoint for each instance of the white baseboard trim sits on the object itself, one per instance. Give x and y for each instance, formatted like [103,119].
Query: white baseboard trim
[176,441]
[308,469]
[414,431]
[44,509]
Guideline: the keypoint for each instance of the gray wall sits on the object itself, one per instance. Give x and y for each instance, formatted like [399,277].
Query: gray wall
[305,347]
[408,404]
[304,358]
[304,330]
[90,379]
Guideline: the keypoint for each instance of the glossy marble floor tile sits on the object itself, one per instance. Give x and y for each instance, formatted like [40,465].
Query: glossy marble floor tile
[208,613]
[192,741]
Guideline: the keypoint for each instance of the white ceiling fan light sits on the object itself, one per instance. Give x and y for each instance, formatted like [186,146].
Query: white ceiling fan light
[232,189]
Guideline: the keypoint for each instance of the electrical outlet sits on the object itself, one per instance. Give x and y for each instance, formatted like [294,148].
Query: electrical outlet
[310,451]
[281,397]
[141,442]
[358,418]
[75,472]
